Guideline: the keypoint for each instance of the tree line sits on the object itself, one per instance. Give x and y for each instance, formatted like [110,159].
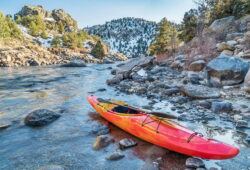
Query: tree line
[169,35]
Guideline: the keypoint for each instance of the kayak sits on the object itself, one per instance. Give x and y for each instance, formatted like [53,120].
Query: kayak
[161,131]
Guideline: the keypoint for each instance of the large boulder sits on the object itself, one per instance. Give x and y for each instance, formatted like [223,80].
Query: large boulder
[128,67]
[197,65]
[221,25]
[61,16]
[102,141]
[199,92]
[225,70]
[75,63]
[247,82]
[40,117]
[33,10]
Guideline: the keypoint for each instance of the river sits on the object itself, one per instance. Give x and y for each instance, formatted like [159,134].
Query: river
[68,141]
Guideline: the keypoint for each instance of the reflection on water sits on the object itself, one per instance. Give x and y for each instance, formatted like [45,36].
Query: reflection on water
[68,140]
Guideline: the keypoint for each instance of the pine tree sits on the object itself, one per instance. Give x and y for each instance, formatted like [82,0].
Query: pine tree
[33,29]
[98,50]
[56,42]
[160,45]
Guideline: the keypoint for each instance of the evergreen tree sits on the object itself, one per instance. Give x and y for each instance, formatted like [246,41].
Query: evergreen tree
[163,38]
[33,29]
[56,42]
[98,50]
[189,25]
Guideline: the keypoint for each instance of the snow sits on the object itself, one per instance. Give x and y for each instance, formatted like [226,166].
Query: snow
[130,36]
[142,73]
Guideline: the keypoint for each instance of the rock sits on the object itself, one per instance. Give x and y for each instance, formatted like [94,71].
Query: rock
[199,91]
[69,23]
[247,82]
[32,10]
[127,143]
[4,126]
[197,65]
[127,68]
[75,63]
[205,104]
[102,141]
[194,78]
[115,156]
[52,167]
[40,117]
[241,124]
[102,89]
[182,100]
[171,91]
[221,107]
[224,46]
[221,25]
[115,80]
[227,52]
[194,163]
[226,70]
[33,62]
[162,85]
[247,140]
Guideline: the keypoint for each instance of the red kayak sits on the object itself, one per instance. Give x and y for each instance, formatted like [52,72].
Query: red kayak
[160,131]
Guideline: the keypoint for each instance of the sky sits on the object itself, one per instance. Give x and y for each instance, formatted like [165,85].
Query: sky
[92,12]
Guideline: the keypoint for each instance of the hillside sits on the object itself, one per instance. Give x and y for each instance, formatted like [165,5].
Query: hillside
[130,36]
[35,36]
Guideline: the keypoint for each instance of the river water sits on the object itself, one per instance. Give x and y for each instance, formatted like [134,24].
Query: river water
[68,141]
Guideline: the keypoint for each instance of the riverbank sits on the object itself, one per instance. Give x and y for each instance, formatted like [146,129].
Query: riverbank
[68,141]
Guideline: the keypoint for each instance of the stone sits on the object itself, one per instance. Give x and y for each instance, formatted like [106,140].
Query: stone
[221,107]
[194,78]
[224,46]
[241,124]
[115,156]
[127,68]
[115,80]
[225,70]
[197,65]
[171,91]
[227,52]
[52,167]
[102,89]
[102,141]
[4,126]
[199,91]
[205,104]
[32,10]
[182,100]
[232,43]
[33,62]
[222,24]
[247,82]
[127,143]
[61,16]
[247,140]
[75,63]
[40,117]
[194,163]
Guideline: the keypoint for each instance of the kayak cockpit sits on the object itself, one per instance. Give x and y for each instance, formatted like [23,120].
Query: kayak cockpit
[124,110]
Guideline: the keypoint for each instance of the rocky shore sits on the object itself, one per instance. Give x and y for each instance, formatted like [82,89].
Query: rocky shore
[16,54]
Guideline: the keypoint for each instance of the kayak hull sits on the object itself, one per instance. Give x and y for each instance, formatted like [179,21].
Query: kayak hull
[164,132]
